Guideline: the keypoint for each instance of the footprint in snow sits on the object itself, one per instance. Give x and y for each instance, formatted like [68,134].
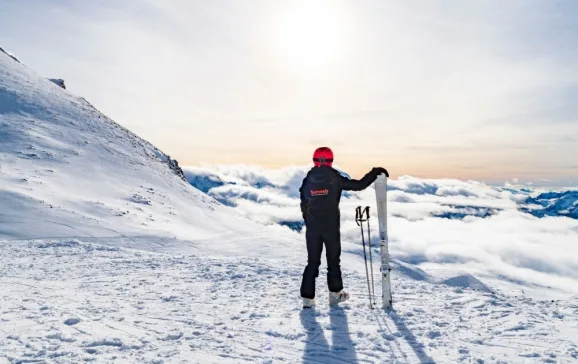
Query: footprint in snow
[72,321]
[174,336]
[169,298]
[105,342]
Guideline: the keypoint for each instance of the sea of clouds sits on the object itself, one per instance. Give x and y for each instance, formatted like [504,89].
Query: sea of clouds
[526,237]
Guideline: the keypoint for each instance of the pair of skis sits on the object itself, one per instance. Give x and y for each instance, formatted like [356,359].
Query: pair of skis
[361,216]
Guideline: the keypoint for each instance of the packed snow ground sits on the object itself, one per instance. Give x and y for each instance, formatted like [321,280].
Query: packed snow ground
[68,302]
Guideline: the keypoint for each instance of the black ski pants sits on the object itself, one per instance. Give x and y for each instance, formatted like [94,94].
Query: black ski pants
[316,236]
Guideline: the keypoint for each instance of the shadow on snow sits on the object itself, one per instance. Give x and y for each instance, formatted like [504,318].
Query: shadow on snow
[416,346]
[317,349]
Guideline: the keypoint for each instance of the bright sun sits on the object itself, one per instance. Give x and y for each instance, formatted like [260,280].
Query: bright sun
[310,36]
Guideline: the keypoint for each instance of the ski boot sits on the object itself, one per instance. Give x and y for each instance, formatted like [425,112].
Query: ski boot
[338,297]
[308,302]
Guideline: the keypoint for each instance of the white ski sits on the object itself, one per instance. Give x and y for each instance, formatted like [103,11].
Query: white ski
[381,197]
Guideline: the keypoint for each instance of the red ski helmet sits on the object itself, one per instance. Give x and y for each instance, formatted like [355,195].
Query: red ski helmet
[323,156]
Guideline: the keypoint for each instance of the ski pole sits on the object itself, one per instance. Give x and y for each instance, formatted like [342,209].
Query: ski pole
[359,221]
[370,258]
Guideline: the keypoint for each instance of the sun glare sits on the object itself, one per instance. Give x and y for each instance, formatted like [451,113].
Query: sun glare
[310,36]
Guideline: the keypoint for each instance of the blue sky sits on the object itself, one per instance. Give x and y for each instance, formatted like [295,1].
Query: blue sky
[478,89]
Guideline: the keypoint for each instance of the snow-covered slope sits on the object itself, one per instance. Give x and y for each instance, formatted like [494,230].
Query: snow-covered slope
[66,170]
[109,256]
[554,204]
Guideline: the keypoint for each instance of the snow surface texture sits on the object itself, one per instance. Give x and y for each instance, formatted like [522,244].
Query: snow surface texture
[64,301]
[110,256]
[436,224]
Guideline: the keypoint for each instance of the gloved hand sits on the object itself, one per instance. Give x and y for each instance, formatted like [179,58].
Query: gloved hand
[380,170]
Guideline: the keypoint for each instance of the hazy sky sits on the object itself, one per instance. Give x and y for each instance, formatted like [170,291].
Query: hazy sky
[469,89]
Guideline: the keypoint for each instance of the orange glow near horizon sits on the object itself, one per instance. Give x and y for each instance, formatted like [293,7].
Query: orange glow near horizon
[356,166]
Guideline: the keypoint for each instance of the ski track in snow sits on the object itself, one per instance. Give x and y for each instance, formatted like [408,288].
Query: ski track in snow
[66,301]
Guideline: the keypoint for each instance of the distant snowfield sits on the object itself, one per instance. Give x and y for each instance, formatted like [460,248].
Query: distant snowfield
[109,256]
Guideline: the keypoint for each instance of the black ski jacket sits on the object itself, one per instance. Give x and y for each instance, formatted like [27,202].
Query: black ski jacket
[321,192]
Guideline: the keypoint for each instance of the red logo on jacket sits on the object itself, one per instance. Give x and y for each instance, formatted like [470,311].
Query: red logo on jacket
[319,192]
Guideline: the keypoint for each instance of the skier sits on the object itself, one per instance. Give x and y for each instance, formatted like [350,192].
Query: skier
[320,195]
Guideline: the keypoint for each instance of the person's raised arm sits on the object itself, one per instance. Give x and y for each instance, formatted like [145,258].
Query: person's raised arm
[366,181]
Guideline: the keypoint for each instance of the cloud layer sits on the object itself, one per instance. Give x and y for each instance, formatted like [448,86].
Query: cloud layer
[502,234]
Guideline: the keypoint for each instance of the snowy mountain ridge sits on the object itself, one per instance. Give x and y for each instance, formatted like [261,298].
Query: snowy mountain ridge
[69,171]
[9,55]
